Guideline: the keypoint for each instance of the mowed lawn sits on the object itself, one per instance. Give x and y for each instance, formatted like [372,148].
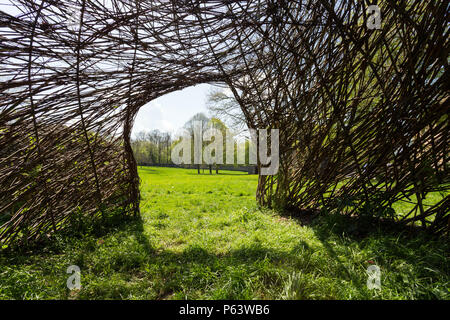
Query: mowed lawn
[204,237]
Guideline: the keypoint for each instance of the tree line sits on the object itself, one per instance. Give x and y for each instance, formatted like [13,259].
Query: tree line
[152,148]
[155,147]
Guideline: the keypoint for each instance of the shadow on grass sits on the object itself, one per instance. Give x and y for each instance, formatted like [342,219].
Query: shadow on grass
[255,270]
[148,170]
[216,174]
[392,244]
[119,261]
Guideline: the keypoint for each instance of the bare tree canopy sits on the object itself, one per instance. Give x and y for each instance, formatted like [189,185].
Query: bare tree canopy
[223,105]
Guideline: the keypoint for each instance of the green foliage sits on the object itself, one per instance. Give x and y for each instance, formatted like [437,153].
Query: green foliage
[152,147]
[203,237]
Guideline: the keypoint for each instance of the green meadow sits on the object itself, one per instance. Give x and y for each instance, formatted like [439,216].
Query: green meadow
[204,237]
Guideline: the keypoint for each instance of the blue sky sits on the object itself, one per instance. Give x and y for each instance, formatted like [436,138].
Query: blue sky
[171,111]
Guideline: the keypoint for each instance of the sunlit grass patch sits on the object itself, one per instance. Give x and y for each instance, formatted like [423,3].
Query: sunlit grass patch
[204,237]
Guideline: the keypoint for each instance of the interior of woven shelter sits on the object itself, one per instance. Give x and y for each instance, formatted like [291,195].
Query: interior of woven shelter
[361,108]
[94,79]
[289,65]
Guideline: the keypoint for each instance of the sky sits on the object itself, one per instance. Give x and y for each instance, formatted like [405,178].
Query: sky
[171,111]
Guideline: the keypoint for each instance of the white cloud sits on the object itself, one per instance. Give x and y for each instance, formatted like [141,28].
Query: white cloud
[152,116]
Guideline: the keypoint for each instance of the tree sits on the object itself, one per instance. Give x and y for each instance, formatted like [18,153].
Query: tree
[222,128]
[189,126]
[222,105]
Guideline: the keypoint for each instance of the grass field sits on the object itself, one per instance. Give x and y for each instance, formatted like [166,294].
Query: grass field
[203,237]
